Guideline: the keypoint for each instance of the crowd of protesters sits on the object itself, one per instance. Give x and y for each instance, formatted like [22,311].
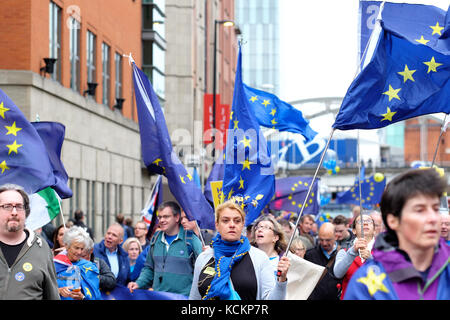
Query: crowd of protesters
[399,252]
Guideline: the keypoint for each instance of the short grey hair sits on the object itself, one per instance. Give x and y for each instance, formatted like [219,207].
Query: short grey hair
[76,234]
[21,190]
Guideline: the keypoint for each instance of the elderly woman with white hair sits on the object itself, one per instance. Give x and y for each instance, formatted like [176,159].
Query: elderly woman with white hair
[78,279]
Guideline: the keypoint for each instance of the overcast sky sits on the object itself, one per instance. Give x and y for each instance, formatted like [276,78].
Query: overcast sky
[319,46]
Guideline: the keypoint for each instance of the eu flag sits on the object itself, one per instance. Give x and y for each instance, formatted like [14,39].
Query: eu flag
[274,113]
[371,190]
[249,175]
[23,156]
[407,74]
[52,134]
[290,194]
[159,156]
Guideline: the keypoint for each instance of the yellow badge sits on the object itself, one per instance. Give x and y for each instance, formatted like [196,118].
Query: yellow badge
[210,271]
[27,266]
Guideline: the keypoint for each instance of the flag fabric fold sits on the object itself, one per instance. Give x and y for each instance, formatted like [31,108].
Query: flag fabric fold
[52,134]
[249,175]
[23,157]
[271,112]
[407,74]
[44,207]
[159,156]
[154,200]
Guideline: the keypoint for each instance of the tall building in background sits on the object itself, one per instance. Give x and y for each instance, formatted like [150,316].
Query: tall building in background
[89,90]
[259,22]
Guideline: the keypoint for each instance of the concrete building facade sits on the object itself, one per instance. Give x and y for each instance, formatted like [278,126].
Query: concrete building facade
[101,151]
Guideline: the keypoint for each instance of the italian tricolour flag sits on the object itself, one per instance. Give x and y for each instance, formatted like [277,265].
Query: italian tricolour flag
[44,207]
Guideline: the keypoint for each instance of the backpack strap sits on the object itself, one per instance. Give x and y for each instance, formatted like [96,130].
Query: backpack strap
[188,236]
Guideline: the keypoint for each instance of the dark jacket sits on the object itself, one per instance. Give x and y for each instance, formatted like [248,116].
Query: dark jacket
[124,264]
[327,288]
[107,279]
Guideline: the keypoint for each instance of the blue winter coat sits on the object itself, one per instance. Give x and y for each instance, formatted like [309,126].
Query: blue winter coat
[124,264]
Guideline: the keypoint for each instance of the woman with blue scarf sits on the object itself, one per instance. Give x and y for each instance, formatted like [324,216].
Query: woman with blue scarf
[232,269]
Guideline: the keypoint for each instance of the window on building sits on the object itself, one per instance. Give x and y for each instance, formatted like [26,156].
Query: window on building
[74,54]
[90,56]
[118,80]
[55,39]
[154,66]
[105,74]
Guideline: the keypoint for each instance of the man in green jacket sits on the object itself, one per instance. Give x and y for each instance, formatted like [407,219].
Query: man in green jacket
[27,271]
[171,257]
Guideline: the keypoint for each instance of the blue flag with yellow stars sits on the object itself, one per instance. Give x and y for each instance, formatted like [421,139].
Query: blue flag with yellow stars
[290,194]
[160,158]
[52,134]
[274,113]
[249,175]
[371,190]
[23,155]
[408,70]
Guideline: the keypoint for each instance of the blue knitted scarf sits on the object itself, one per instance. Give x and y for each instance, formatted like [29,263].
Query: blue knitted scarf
[226,254]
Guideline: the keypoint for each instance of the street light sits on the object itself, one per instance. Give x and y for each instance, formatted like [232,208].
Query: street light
[225,23]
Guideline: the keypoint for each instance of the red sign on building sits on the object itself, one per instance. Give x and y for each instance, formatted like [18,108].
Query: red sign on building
[222,120]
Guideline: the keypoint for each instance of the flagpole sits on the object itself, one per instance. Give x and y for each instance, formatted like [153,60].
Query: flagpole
[61,211]
[309,191]
[360,191]
[439,140]
[200,234]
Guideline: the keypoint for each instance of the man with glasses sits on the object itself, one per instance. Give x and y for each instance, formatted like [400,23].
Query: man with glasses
[27,271]
[324,254]
[140,232]
[171,256]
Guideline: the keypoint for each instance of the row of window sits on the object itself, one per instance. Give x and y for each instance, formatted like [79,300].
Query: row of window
[91,55]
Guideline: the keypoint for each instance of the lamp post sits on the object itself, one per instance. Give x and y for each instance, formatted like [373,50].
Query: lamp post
[226,23]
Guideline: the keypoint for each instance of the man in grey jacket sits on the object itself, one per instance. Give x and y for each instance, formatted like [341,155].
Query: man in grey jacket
[27,271]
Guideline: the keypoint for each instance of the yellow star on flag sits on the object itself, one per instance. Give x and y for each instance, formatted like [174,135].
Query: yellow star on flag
[230,193]
[437,29]
[13,129]
[266,102]
[182,179]
[273,112]
[3,166]
[274,121]
[392,93]
[253,99]
[432,65]
[374,282]
[3,110]
[407,74]
[13,147]
[246,164]
[157,161]
[189,176]
[246,142]
[388,115]
[422,40]
[235,124]
[241,183]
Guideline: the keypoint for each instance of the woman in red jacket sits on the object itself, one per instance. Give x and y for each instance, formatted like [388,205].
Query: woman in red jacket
[348,261]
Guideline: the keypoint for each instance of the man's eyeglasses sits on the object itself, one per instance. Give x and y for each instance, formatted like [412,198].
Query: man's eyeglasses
[165,217]
[9,207]
[136,228]
[365,221]
[263,228]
